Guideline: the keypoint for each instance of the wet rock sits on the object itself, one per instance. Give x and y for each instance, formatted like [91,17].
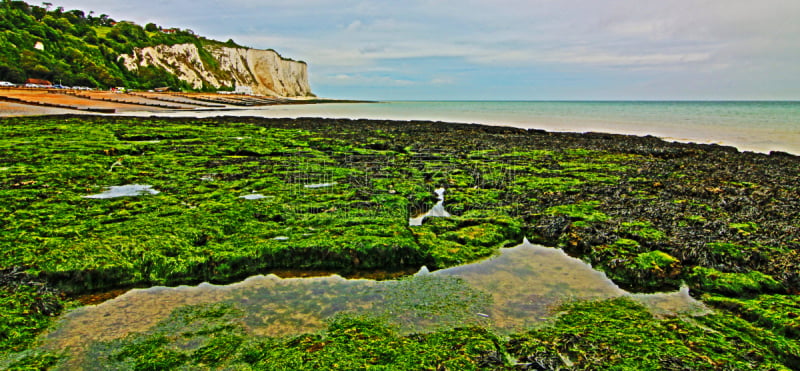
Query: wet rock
[552,227]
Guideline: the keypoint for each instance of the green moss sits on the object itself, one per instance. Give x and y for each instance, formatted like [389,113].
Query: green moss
[579,224]
[426,303]
[731,256]
[777,316]
[780,313]
[712,280]
[202,335]
[584,211]
[744,229]
[644,230]
[500,183]
[625,244]
[349,342]
[618,334]
[197,228]
[655,260]
[460,239]
[701,206]
[460,200]
[615,334]
[27,308]
[744,184]
[35,360]
[728,250]
[696,219]
[550,184]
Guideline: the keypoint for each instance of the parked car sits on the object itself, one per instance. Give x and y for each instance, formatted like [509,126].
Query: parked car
[6,83]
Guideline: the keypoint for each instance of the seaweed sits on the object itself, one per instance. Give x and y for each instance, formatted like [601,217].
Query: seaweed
[211,337]
[338,194]
[619,334]
[616,334]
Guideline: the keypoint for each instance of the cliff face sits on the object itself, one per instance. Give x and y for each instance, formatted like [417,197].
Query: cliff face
[264,71]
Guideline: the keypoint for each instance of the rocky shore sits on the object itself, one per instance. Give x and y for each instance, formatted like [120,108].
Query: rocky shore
[240,196]
[703,205]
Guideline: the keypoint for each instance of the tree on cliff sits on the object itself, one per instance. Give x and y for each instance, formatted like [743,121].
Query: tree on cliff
[79,50]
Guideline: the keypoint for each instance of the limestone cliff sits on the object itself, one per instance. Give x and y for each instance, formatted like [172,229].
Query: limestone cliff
[264,71]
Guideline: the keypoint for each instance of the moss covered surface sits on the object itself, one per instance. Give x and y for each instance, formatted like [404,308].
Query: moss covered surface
[27,306]
[613,334]
[240,196]
[620,335]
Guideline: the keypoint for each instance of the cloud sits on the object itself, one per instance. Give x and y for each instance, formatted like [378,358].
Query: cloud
[364,80]
[646,29]
[442,81]
[688,40]
[353,26]
[624,60]
[341,77]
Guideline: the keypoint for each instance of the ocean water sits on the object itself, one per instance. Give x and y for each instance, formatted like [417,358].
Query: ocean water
[760,126]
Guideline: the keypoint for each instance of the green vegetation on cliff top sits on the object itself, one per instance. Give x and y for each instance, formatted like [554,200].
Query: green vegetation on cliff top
[80,49]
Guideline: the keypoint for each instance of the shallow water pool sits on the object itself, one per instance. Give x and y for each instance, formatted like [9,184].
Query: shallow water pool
[516,289]
[128,190]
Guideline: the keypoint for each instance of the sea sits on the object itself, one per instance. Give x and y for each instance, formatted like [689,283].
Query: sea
[757,126]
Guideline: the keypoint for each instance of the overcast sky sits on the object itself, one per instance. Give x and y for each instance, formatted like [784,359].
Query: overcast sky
[508,49]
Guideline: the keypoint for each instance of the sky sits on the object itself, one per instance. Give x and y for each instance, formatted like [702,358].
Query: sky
[508,49]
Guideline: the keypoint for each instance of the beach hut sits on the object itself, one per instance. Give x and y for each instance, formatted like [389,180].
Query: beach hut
[38,82]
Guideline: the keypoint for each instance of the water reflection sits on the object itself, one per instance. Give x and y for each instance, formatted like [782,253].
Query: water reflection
[437,210]
[128,190]
[320,185]
[526,281]
[253,196]
[507,293]
[665,304]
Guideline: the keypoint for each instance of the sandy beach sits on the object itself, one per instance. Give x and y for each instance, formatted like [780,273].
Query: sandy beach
[35,102]
[17,109]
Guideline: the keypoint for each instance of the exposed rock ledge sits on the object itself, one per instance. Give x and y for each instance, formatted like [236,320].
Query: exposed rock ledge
[264,71]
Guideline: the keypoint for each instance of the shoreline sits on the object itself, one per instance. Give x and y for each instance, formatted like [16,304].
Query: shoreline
[755,138]
[666,138]
[322,108]
[16,102]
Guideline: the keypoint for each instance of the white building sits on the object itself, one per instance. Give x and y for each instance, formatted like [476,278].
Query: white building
[243,90]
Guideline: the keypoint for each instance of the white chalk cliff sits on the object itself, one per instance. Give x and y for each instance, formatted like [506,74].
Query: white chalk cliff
[264,71]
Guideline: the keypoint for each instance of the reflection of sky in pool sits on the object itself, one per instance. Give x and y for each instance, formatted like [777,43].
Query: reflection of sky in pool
[128,190]
[437,210]
[320,185]
[253,196]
